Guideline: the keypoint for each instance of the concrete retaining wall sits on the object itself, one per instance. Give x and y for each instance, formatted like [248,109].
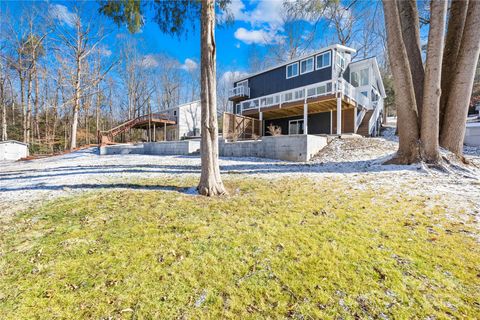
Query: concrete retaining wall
[472,134]
[290,148]
[154,148]
[13,150]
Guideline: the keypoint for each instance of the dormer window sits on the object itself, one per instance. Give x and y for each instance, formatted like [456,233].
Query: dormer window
[323,60]
[306,65]
[292,70]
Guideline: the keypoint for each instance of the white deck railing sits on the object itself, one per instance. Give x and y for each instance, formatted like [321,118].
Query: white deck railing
[279,98]
[310,91]
[378,107]
[240,91]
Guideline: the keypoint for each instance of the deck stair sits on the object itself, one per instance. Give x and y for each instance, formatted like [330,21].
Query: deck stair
[363,129]
[106,137]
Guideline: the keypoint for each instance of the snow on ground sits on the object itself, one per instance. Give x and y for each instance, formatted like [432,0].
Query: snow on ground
[357,160]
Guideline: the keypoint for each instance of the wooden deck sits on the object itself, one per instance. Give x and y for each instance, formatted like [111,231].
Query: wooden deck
[295,108]
[141,122]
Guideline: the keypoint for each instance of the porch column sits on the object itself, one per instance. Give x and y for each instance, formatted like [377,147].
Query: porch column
[305,118]
[339,115]
[154,133]
[164,131]
[260,117]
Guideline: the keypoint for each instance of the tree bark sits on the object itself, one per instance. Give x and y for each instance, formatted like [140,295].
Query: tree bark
[456,22]
[210,181]
[453,131]
[28,120]
[409,20]
[76,105]
[408,129]
[433,75]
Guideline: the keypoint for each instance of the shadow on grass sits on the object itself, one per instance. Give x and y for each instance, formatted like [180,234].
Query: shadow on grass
[96,186]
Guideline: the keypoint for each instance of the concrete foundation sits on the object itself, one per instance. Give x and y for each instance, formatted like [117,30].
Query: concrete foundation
[185,147]
[13,150]
[291,148]
[472,134]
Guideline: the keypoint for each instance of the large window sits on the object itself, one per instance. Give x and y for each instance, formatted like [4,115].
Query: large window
[359,78]
[323,60]
[292,70]
[364,77]
[243,83]
[306,65]
[295,127]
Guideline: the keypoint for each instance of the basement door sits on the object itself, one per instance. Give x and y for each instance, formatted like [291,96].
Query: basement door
[295,127]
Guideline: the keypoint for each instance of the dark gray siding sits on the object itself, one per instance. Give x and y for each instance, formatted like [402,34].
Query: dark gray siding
[275,80]
[318,123]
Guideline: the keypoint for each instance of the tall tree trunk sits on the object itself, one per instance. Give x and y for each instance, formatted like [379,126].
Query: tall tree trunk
[408,131]
[433,75]
[24,108]
[4,111]
[28,120]
[409,20]
[76,104]
[210,181]
[453,131]
[456,22]
[36,108]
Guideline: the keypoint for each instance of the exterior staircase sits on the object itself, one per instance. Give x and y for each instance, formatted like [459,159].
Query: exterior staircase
[363,128]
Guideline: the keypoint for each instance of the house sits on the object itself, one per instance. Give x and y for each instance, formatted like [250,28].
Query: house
[13,150]
[187,117]
[324,92]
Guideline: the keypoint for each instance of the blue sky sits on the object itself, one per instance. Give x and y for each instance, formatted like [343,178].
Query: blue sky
[257,22]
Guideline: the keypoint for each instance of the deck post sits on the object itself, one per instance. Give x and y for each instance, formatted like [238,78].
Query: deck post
[339,115]
[261,123]
[305,118]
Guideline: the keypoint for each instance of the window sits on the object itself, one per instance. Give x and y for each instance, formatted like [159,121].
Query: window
[341,59]
[323,60]
[354,79]
[306,65]
[359,78]
[295,127]
[365,93]
[364,77]
[292,70]
[243,83]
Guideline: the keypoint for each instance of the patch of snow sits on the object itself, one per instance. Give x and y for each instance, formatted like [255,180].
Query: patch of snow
[359,161]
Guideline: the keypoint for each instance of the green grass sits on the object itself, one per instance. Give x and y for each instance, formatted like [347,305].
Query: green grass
[292,248]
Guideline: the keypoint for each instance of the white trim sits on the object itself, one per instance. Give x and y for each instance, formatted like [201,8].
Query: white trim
[344,48]
[286,70]
[329,60]
[313,65]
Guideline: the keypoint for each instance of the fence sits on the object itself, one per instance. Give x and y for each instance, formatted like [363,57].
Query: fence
[238,127]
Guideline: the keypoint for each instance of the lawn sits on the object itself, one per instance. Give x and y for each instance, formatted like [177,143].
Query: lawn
[289,248]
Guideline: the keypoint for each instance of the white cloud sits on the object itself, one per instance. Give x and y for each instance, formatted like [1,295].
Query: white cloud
[148,61]
[189,65]
[265,12]
[62,14]
[260,36]
[231,76]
